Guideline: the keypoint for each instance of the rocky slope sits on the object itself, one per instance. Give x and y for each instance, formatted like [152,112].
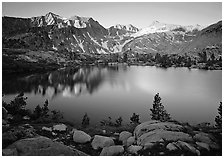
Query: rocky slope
[152,138]
[176,39]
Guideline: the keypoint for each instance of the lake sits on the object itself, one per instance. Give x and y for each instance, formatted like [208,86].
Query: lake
[189,95]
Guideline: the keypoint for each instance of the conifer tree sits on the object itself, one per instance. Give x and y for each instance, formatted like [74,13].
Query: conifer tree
[158,111]
[218,119]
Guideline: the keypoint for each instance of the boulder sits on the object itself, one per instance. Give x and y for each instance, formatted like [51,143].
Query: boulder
[133,149]
[148,145]
[4,113]
[171,147]
[124,136]
[4,122]
[203,146]
[206,138]
[16,133]
[154,125]
[130,141]
[41,146]
[188,147]
[112,150]
[81,137]
[101,142]
[26,118]
[60,127]
[157,135]
[48,129]
[9,152]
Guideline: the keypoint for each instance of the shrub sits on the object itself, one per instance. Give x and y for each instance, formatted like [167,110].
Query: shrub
[37,113]
[57,116]
[16,106]
[119,121]
[134,118]
[158,111]
[85,120]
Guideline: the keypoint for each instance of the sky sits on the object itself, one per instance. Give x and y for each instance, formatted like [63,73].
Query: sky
[139,14]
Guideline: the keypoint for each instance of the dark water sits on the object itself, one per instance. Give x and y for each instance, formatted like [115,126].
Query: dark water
[188,95]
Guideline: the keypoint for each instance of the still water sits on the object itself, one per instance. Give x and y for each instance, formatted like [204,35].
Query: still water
[188,95]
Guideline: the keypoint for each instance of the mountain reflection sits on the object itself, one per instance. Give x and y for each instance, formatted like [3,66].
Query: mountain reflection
[66,82]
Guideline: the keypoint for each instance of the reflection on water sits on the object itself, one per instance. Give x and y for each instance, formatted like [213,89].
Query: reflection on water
[188,95]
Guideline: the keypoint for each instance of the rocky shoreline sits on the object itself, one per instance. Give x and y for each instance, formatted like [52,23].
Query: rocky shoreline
[149,138]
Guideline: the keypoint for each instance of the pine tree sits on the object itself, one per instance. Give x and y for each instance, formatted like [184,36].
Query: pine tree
[134,118]
[119,121]
[158,111]
[37,112]
[218,119]
[45,109]
[85,120]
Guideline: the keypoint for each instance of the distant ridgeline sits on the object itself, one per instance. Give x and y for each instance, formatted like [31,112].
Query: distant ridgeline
[79,40]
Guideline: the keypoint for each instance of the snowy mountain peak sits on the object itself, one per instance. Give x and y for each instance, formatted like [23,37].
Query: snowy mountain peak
[157,26]
[128,27]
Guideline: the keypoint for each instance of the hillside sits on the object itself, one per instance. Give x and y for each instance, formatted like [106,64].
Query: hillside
[56,40]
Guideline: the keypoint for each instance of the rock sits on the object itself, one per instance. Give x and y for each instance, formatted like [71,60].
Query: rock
[116,134]
[171,147]
[161,153]
[104,131]
[188,147]
[101,142]
[81,137]
[10,117]
[4,122]
[9,152]
[41,146]
[60,127]
[154,125]
[112,150]
[133,149]
[203,146]
[203,137]
[49,129]
[206,138]
[124,136]
[130,141]
[26,118]
[148,145]
[54,134]
[15,133]
[161,141]
[4,113]
[157,135]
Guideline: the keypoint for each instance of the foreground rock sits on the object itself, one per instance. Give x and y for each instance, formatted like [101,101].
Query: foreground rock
[155,136]
[124,136]
[60,127]
[133,149]
[4,113]
[39,146]
[16,133]
[101,142]
[112,150]
[160,134]
[130,141]
[81,137]
[188,147]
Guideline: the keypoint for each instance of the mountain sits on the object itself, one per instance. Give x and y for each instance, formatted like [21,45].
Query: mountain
[122,30]
[176,39]
[210,38]
[76,34]
[157,26]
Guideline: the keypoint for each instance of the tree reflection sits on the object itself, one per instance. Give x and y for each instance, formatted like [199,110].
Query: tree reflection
[64,81]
